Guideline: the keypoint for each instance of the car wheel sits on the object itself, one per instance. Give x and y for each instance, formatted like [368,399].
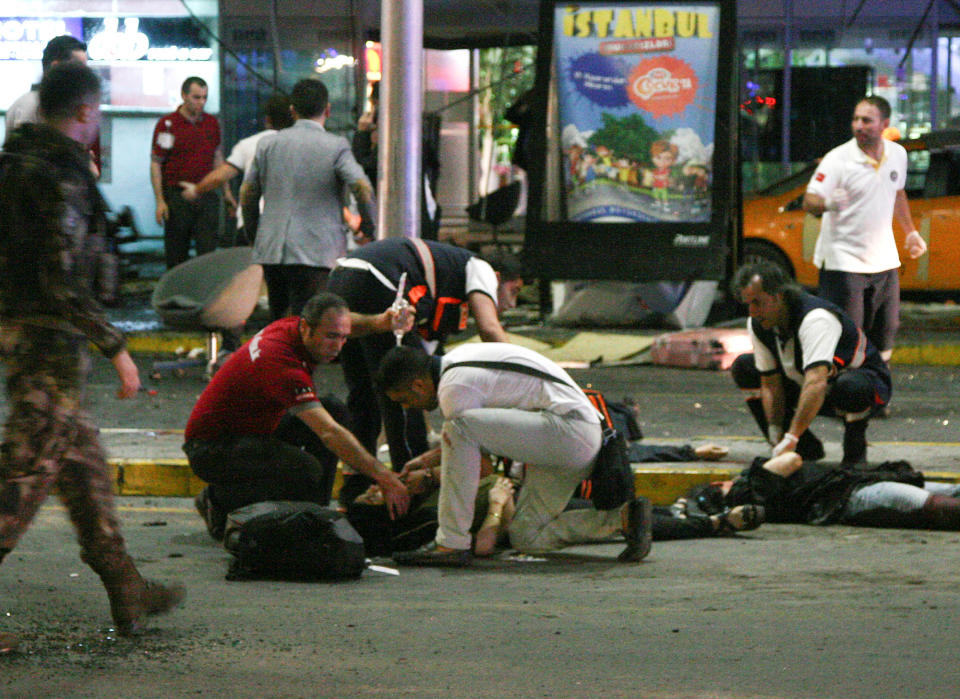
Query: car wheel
[755,251]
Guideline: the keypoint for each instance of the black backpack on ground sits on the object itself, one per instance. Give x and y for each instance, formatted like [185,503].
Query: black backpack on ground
[286,540]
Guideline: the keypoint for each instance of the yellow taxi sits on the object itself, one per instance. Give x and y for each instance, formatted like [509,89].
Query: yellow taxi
[776,229]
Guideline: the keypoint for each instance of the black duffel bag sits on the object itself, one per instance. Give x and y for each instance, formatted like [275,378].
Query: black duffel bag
[288,540]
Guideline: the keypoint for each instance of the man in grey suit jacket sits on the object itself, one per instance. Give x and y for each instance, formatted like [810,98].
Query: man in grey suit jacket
[302,173]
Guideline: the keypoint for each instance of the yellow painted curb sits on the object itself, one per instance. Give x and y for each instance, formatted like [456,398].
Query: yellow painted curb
[929,355]
[173,478]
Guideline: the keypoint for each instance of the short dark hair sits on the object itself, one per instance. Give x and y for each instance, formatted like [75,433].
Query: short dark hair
[400,366]
[506,264]
[880,103]
[192,80]
[319,304]
[309,97]
[773,279]
[277,110]
[59,49]
[64,88]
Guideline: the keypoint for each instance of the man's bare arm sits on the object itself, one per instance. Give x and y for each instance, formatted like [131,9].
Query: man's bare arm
[484,312]
[812,394]
[813,204]
[913,243]
[156,181]
[220,175]
[772,397]
[342,443]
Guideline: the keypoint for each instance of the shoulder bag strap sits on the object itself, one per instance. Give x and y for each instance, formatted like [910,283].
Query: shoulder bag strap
[429,268]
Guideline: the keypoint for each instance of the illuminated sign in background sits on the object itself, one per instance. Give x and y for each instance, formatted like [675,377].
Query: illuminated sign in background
[23,38]
[108,39]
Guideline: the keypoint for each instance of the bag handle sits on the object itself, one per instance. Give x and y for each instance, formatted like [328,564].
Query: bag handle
[426,259]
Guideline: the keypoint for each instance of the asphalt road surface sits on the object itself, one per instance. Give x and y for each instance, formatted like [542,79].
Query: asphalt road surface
[785,611]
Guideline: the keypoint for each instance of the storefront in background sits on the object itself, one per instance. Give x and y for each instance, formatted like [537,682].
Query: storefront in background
[142,51]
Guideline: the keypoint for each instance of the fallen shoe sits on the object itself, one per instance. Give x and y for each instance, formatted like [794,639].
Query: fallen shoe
[430,555]
[639,531]
[8,643]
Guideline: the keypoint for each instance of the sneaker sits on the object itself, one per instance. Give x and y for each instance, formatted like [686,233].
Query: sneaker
[639,531]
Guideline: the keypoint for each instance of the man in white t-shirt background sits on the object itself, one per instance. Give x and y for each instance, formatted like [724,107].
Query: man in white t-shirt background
[276,116]
[858,189]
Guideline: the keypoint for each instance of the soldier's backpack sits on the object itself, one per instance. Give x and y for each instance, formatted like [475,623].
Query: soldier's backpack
[288,540]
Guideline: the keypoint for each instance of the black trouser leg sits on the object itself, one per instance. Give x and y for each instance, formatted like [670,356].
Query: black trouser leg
[855,442]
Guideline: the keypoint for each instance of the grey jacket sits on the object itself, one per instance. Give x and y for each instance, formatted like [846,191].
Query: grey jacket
[302,173]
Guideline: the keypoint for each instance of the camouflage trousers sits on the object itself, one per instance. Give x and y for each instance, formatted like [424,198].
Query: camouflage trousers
[49,441]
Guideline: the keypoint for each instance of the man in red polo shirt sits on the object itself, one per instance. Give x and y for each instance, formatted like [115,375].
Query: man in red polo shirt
[259,432]
[186,146]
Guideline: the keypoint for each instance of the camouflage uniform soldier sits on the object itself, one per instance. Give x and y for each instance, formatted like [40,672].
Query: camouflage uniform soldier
[51,237]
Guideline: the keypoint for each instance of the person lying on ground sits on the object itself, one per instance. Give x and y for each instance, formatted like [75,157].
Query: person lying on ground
[892,494]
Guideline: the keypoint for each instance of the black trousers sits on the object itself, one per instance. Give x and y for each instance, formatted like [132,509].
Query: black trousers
[292,463]
[289,287]
[188,221]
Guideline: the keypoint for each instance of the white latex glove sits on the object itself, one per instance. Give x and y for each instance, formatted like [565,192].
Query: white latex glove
[837,201]
[914,244]
[788,443]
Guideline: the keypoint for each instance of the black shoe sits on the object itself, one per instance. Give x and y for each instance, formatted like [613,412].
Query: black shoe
[215,520]
[639,531]
[809,447]
[429,555]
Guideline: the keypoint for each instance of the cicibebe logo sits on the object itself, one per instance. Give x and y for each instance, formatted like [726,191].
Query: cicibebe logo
[663,85]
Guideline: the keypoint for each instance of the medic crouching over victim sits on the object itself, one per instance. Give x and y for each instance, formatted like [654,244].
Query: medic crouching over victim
[259,432]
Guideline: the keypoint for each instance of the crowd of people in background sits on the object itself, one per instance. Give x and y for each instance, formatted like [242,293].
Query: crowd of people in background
[259,430]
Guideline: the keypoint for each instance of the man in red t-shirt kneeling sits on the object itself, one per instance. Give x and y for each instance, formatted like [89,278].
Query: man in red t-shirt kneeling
[259,432]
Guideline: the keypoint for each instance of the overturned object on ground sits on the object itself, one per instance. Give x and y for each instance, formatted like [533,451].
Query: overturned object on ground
[218,290]
[287,540]
[706,348]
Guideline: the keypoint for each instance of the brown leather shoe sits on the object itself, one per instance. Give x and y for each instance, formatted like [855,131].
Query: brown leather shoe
[8,643]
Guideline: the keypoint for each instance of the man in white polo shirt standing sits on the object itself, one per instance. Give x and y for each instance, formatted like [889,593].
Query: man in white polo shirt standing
[858,189]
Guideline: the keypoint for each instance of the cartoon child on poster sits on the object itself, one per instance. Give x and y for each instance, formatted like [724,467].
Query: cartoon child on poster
[664,156]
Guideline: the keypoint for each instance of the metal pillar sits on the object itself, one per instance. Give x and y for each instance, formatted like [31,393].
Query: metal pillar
[787,86]
[400,116]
